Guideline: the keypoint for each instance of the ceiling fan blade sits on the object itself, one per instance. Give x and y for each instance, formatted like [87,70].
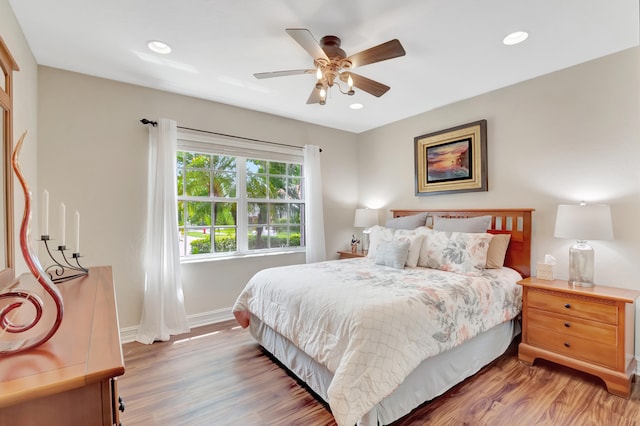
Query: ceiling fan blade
[382,52]
[314,97]
[261,75]
[308,43]
[370,86]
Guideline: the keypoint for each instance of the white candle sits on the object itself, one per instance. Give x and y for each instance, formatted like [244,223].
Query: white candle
[62,236]
[76,219]
[45,201]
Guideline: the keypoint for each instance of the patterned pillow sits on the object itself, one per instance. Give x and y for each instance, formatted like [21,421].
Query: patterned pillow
[392,253]
[459,252]
[415,243]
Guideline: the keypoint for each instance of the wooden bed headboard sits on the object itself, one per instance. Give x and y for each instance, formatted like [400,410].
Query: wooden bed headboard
[516,222]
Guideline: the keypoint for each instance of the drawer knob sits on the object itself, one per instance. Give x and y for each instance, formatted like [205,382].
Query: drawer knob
[568,306]
[567,345]
[566,324]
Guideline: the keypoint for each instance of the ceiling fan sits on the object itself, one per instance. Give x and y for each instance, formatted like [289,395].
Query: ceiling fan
[332,65]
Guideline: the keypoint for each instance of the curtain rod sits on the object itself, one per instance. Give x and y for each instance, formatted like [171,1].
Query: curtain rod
[155,123]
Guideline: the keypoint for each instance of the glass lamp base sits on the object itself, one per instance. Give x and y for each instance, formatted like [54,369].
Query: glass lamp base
[581,257]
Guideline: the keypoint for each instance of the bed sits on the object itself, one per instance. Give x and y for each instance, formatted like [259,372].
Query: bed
[375,337]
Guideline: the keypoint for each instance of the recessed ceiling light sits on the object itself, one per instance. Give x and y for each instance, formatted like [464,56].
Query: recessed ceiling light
[356,106]
[515,38]
[159,47]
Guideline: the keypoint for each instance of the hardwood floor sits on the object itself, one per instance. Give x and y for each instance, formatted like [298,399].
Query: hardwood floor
[218,375]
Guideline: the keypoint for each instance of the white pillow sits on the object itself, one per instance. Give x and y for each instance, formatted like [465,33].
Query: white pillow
[415,244]
[459,252]
[392,253]
[466,224]
[378,234]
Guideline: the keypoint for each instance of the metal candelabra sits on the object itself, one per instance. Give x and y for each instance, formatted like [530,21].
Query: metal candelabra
[63,270]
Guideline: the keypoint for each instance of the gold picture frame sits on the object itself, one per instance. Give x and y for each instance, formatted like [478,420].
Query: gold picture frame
[452,160]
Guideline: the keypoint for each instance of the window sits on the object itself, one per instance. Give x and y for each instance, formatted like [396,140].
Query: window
[234,200]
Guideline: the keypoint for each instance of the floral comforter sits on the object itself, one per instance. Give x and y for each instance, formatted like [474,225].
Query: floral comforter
[371,325]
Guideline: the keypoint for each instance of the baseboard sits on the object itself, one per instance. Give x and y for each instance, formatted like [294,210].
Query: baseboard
[128,334]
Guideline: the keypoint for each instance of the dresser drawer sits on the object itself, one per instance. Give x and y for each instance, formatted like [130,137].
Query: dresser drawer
[571,326]
[574,347]
[575,306]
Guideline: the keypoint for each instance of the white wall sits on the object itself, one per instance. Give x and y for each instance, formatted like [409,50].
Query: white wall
[568,136]
[93,157]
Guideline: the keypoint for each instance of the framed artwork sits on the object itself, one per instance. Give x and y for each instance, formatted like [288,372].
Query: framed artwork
[452,160]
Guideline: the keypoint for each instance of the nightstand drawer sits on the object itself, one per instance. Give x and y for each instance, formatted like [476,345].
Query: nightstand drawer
[575,347]
[571,326]
[575,306]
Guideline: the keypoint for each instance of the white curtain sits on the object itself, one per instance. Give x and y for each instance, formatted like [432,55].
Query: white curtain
[163,312]
[314,224]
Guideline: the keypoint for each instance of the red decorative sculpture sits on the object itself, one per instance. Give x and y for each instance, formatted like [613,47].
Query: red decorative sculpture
[6,324]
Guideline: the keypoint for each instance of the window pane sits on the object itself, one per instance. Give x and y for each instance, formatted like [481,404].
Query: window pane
[294,213]
[278,237]
[197,160]
[198,182]
[226,214]
[256,166]
[225,240]
[257,213]
[222,162]
[277,168]
[277,188]
[181,213]
[295,170]
[256,186]
[224,184]
[278,213]
[198,213]
[293,189]
[198,240]
[294,236]
[180,176]
[258,237]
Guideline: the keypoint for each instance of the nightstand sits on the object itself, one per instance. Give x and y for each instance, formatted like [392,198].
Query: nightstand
[590,329]
[350,254]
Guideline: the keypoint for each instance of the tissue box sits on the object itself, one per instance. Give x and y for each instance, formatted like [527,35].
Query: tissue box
[544,271]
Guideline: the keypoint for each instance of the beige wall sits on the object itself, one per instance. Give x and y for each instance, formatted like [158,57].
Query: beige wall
[568,136]
[90,127]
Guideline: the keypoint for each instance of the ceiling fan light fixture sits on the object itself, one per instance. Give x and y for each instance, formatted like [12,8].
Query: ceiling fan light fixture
[356,106]
[323,96]
[515,38]
[159,47]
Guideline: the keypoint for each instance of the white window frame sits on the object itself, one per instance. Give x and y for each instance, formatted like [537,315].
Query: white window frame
[193,141]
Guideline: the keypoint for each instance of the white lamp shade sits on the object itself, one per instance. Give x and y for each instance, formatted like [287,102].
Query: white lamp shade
[365,218]
[584,222]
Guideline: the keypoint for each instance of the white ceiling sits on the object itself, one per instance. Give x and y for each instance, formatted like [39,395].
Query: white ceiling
[454,47]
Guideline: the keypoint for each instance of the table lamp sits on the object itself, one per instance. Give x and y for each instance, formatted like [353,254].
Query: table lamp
[583,222]
[365,218]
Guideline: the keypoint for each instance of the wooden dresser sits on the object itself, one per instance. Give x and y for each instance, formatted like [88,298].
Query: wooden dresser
[70,379]
[590,329]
